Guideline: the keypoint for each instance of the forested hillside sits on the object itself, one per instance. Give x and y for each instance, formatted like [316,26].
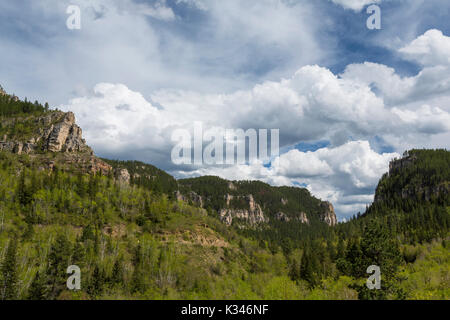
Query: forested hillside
[146,176]
[137,233]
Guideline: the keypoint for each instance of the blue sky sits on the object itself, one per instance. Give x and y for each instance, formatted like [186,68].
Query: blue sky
[345,98]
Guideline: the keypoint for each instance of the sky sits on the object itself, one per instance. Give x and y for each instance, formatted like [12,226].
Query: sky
[346,99]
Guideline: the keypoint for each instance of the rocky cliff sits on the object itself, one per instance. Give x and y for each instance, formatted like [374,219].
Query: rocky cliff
[419,175]
[54,138]
[327,213]
[255,203]
[252,215]
[55,131]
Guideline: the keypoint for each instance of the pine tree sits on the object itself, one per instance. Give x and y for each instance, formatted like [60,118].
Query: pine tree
[23,194]
[308,267]
[95,287]
[9,273]
[59,258]
[29,232]
[379,249]
[37,289]
[117,273]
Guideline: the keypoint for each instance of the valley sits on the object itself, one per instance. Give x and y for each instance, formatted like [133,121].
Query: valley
[138,233]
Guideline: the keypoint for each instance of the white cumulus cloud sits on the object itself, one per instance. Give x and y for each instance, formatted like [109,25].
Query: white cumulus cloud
[430,49]
[356,5]
[367,102]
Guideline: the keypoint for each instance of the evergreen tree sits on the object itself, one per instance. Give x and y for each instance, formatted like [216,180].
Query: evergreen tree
[29,232]
[59,258]
[308,268]
[96,284]
[37,289]
[117,273]
[9,273]
[23,193]
[380,249]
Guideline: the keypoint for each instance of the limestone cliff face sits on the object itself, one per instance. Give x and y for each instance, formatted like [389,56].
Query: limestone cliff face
[302,217]
[54,132]
[254,215]
[191,197]
[328,215]
[246,211]
[65,136]
[123,176]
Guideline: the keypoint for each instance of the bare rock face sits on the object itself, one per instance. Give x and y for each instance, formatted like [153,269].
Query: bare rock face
[414,190]
[191,197]
[398,164]
[197,199]
[123,176]
[228,198]
[65,136]
[328,215]
[57,132]
[254,215]
[301,217]
[281,216]
[97,165]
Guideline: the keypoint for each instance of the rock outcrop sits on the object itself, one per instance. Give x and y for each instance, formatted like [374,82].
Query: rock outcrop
[191,197]
[417,188]
[65,136]
[328,215]
[398,164]
[123,176]
[236,207]
[281,216]
[57,132]
[254,215]
[301,217]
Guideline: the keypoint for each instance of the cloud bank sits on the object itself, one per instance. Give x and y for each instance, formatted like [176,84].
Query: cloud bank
[349,110]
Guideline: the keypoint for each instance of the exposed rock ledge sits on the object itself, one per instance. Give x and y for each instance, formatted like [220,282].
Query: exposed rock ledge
[58,133]
[302,217]
[253,215]
[328,215]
